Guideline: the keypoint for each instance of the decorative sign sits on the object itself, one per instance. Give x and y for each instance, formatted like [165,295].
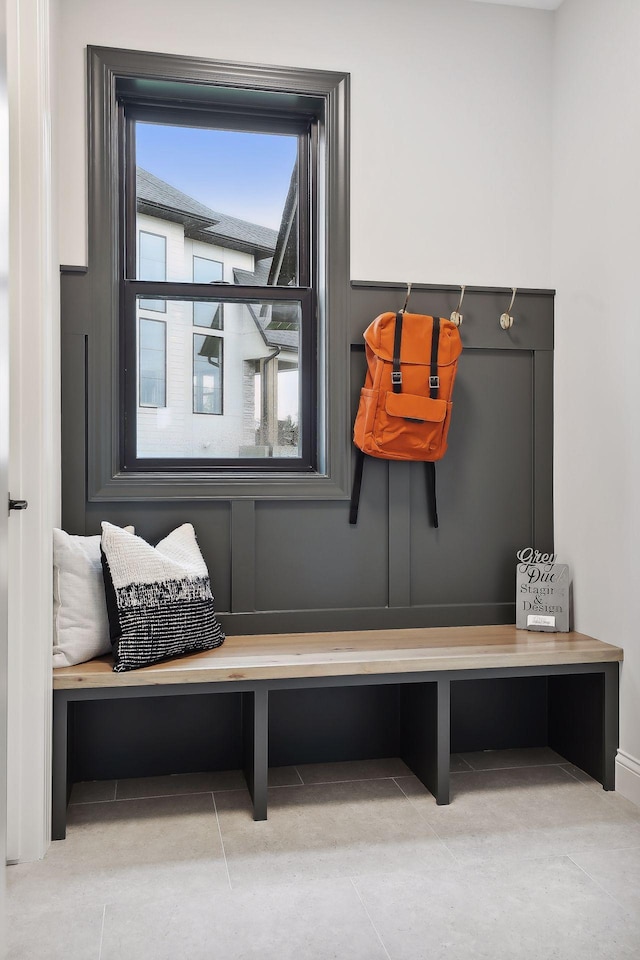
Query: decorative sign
[542,592]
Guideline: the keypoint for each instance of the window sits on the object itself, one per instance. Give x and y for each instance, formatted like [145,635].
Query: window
[253,284]
[207,374]
[207,271]
[152,264]
[245,227]
[152,354]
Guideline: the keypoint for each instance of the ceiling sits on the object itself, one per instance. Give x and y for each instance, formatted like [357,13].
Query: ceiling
[538,4]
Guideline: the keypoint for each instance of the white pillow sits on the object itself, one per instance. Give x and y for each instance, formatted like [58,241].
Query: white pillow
[80,623]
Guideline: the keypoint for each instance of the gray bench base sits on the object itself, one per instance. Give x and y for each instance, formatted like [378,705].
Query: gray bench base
[583,722]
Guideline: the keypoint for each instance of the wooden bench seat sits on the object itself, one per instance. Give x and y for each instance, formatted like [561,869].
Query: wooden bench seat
[351,652]
[425,660]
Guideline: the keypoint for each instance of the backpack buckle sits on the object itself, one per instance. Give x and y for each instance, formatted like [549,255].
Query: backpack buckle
[434,383]
[396,377]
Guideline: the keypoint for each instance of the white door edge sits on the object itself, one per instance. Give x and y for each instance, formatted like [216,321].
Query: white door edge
[34,468]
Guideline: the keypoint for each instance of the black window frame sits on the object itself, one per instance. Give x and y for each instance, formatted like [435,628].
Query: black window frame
[132,111]
[281,96]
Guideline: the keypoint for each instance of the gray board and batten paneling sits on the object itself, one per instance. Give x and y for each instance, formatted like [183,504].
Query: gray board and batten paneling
[298,565]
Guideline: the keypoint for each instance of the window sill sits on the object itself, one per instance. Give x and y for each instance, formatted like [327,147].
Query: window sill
[200,486]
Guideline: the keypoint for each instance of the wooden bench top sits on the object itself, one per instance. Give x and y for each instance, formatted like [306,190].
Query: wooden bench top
[351,652]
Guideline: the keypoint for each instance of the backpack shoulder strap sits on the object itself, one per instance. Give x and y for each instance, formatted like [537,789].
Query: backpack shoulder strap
[434,379]
[396,373]
[434,388]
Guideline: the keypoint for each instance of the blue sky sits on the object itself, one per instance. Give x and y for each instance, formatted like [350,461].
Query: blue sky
[245,175]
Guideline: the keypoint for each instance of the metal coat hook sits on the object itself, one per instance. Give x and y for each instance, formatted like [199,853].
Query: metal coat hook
[406,299]
[456,316]
[506,320]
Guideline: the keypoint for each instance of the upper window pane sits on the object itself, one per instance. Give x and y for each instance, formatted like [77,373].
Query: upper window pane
[152,263]
[207,271]
[153,256]
[219,197]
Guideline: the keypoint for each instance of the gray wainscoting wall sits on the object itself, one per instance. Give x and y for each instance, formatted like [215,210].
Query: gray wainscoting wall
[298,565]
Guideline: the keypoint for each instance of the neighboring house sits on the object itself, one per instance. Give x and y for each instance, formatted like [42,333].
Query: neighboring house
[215,379]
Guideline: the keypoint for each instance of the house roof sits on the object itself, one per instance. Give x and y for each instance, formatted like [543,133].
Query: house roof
[157,198]
[259,277]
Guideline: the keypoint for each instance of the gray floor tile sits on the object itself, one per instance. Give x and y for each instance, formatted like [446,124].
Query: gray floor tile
[61,934]
[352,770]
[312,921]
[213,782]
[135,850]
[328,830]
[537,910]
[180,783]
[497,885]
[497,759]
[580,775]
[457,764]
[93,791]
[525,812]
[617,872]
[284,777]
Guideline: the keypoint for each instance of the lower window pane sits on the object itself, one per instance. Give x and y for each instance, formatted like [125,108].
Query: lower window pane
[207,374]
[230,391]
[151,362]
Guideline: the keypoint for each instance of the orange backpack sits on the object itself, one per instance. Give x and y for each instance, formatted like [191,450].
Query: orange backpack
[405,404]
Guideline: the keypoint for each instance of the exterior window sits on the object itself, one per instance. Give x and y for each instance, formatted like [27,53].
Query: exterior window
[152,353]
[218,198]
[224,236]
[207,374]
[152,264]
[208,314]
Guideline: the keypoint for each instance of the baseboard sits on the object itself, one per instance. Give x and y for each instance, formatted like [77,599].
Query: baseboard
[628,777]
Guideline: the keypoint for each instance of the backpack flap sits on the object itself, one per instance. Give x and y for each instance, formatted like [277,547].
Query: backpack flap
[410,407]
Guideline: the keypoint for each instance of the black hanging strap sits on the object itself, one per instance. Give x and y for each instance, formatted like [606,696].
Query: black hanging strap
[357,483]
[396,374]
[431,492]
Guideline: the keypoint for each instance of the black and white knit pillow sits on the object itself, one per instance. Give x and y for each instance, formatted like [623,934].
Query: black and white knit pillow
[159,598]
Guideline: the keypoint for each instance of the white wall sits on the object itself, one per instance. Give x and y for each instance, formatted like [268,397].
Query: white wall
[450,119]
[596,258]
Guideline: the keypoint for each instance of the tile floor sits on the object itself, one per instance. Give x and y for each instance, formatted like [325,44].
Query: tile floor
[531,861]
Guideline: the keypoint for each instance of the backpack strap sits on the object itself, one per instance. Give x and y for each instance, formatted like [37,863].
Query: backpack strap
[434,388]
[434,379]
[357,484]
[396,373]
[431,492]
